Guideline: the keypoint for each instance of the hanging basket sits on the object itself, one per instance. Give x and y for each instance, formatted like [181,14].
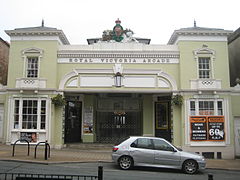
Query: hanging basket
[58,100]
[177,100]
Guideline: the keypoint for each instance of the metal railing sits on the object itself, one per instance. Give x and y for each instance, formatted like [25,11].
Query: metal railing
[46,151]
[20,140]
[27,176]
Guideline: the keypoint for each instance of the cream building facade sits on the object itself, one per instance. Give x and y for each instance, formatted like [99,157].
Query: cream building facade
[120,86]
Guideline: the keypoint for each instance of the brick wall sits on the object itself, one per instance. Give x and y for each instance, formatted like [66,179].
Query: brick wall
[4,57]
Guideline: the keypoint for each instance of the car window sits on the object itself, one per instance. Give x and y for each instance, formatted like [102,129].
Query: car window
[162,145]
[142,143]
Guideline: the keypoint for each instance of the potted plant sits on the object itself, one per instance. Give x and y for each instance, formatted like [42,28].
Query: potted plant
[58,100]
[177,100]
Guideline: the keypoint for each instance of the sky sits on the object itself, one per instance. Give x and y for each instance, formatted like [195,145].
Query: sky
[153,19]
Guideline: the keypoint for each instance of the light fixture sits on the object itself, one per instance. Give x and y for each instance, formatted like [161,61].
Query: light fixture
[118,79]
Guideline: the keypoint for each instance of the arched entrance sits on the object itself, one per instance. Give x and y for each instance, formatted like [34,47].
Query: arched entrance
[118,117]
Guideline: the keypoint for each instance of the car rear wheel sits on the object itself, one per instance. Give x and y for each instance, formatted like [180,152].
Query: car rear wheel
[125,162]
[190,167]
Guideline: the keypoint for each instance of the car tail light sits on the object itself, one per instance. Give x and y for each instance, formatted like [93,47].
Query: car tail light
[114,149]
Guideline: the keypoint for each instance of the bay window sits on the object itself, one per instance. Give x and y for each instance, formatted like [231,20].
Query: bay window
[30,114]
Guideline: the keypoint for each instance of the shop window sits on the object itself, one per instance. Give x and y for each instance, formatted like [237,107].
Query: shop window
[192,108]
[207,120]
[30,114]
[43,114]
[220,108]
[16,114]
[206,107]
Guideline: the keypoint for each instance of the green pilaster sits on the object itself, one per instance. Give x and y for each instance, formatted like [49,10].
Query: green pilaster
[57,126]
[177,126]
[148,115]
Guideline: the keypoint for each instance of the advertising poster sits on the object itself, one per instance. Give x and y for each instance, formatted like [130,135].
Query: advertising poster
[216,128]
[29,136]
[207,128]
[88,120]
[198,128]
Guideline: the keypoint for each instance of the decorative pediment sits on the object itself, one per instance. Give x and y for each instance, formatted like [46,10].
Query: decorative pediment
[204,51]
[32,50]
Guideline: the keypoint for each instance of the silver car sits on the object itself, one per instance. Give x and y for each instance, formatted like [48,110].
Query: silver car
[155,152]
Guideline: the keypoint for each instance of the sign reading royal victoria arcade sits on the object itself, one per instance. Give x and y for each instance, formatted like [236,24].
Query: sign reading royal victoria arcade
[120,60]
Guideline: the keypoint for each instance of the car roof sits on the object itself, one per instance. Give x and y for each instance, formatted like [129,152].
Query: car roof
[135,137]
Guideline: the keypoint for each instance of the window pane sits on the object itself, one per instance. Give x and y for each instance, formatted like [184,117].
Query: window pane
[29,114]
[43,114]
[206,107]
[204,67]
[144,143]
[192,108]
[32,67]
[16,115]
[220,108]
[161,145]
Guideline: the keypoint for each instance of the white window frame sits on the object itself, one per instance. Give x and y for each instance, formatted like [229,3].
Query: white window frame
[20,114]
[207,62]
[225,113]
[205,53]
[31,53]
[215,104]
[30,66]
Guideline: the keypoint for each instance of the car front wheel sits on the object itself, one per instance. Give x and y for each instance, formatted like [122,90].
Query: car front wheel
[190,167]
[125,162]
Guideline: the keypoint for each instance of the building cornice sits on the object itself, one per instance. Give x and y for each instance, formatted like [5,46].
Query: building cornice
[118,55]
[58,33]
[197,32]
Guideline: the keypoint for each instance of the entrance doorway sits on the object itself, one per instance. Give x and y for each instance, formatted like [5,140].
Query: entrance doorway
[118,118]
[73,121]
[163,119]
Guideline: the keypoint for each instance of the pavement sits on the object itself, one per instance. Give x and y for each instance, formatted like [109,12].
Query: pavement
[74,155]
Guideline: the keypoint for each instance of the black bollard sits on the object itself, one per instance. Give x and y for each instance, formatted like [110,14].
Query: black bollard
[100,173]
[210,177]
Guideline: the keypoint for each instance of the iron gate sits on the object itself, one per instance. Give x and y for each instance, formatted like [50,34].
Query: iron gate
[113,127]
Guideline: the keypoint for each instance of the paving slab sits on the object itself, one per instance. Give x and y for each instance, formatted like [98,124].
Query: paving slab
[71,155]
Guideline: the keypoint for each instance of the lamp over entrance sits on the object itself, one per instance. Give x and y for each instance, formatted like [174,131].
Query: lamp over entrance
[118,79]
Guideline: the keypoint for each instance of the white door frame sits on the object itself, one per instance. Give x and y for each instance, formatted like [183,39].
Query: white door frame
[1,121]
